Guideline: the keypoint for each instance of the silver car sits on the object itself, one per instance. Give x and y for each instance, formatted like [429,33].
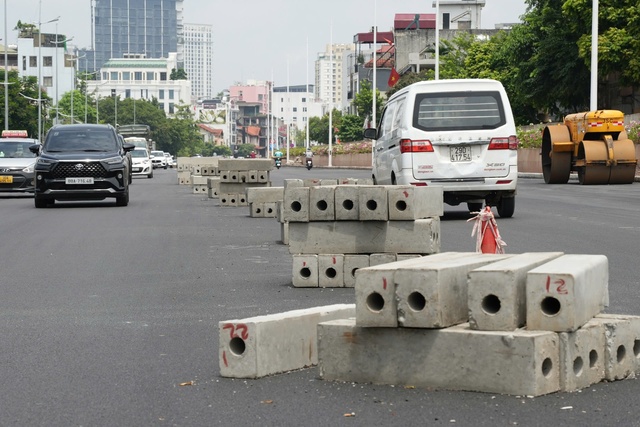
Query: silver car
[16,164]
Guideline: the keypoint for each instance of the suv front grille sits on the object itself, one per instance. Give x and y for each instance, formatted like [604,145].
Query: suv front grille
[79,169]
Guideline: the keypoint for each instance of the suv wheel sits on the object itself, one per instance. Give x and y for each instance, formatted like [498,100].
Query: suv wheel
[123,200]
[41,202]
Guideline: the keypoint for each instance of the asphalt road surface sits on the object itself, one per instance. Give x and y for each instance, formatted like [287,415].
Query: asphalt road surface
[105,311]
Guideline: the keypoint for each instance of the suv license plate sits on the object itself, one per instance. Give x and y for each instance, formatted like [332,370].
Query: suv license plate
[460,153]
[78,181]
[6,179]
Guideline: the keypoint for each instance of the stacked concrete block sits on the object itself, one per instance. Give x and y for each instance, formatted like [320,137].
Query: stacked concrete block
[577,345]
[213,184]
[265,345]
[337,218]
[199,184]
[236,175]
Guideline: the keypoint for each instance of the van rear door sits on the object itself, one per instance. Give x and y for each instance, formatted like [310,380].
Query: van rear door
[472,134]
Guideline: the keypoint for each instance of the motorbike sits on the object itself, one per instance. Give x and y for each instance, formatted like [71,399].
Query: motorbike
[309,164]
[278,162]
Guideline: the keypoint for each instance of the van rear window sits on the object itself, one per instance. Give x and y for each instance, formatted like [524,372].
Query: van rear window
[458,111]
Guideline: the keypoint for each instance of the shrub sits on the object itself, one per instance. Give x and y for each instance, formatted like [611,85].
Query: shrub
[530,137]
[633,131]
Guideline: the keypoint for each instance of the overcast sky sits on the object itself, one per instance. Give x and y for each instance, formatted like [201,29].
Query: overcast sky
[256,39]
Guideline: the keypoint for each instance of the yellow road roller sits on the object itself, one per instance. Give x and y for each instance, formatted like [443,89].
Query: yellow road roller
[593,144]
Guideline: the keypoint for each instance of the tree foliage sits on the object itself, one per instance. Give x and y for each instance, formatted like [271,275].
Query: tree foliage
[363,101]
[23,104]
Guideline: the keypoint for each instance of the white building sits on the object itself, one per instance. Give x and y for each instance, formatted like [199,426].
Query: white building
[296,105]
[332,74]
[143,78]
[460,14]
[198,59]
[56,61]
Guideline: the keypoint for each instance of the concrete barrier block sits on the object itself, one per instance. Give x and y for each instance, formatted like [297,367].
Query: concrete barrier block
[252,176]
[432,292]
[311,182]
[245,164]
[256,210]
[622,345]
[270,209]
[373,203]
[353,263]
[421,236]
[266,345]
[228,199]
[196,170]
[263,176]
[264,194]
[295,207]
[563,294]
[212,193]
[293,183]
[408,202]
[243,176]
[322,203]
[347,181]
[497,292]
[305,271]
[329,181]
[521,362]
[184,177]
[582,356]
[365,181]
[228,176]
[198,180]
[212,181]
[199,189]
[209,170]
[384,258]
[347,202]
[284,233]
[331,271]
[402,257]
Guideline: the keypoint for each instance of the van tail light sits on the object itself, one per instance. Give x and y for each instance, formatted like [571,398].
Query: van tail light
[510,143]
[419,146]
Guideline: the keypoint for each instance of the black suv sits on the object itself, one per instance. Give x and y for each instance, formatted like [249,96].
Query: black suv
[81,162]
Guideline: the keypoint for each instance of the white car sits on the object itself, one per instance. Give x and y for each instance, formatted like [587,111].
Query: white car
[169,159]
[141,163]
[158,159]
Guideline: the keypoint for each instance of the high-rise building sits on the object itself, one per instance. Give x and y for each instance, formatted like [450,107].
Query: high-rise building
[152,28]
[198,59]
[331,75]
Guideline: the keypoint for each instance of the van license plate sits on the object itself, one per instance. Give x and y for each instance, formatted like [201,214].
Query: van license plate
[78,181]
[460,153]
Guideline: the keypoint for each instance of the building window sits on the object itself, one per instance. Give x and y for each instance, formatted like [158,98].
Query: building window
[295,109]
[33,61]
[47,81]
[260,97]
[127,93]
[163,76]
[171,93]
[126,75]
[161,105]
[114,75]
[161,94]
[138,76]
[105,76]
[150,76]
[47,61]
[304,109]
[171,109]
[304,99]
[24,63]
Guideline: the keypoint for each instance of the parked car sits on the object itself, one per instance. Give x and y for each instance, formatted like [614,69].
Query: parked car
[169,159]
[141,162]
[16,164]
[81,162]
[458,134]
[158,159]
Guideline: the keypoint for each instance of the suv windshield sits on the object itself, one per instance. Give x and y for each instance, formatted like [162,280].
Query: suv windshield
[16,149]
[81,140]
[458,111]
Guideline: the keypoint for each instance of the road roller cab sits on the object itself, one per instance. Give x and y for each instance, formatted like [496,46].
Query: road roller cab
[594,144]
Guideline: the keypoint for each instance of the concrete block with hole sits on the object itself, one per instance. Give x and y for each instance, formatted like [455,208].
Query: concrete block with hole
[373,203]
[582,356]
[421,236]
[209,170]
[288,183]
[228,176]
[564,293]
[228,200]
[199,189]
[375,291]
[432,292]
[383,258]
[184,177]
[352,263]
[213,181]
[521,362]
[245,164]
[408,202]
[271,344]
[311,182]
[322,203]
[295,206]
[331,271]
[256,210]
[497,292]
[347,202]
[212,193]
[622,345]
[243,177]
[305,271]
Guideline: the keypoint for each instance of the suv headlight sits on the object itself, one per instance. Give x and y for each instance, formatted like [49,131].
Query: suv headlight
[113,161]
[45,164]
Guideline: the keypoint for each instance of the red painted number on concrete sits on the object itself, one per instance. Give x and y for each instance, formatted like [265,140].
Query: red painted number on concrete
[239,330]
[384,283]
[559,284]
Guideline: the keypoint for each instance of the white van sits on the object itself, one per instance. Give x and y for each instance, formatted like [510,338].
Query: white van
[458,134]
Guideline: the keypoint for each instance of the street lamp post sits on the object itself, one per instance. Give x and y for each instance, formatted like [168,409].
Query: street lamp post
[6,72]
[40,67]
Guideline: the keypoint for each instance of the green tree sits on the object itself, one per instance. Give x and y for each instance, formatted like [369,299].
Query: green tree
[178,74]
[363,100]
[23,105]
[350,128]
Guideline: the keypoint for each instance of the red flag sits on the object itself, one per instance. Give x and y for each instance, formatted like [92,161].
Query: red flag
[393,77]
